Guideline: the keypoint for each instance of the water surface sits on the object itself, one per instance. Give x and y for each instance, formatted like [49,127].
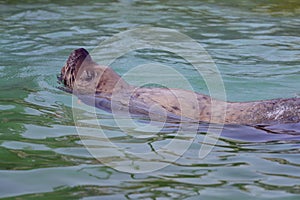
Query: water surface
[256,47]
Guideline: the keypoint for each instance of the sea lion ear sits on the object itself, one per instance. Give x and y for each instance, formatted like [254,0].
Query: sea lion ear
[77,57]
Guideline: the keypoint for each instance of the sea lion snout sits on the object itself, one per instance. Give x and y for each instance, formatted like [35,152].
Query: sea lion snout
[76,58]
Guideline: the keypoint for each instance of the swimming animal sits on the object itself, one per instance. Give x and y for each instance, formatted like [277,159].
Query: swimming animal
[102,87]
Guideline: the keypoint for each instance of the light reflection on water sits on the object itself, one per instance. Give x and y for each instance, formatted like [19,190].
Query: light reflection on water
[255,46]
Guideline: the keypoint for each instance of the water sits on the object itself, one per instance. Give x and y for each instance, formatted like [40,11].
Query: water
[256,47]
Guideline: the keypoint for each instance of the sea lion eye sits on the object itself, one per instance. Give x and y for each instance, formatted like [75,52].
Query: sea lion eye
[89,75]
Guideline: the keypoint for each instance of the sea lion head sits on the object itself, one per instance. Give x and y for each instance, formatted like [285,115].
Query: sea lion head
[78,72]
[70,70]
[82,75]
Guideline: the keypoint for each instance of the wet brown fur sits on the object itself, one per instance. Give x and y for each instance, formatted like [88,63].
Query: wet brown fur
[82,75]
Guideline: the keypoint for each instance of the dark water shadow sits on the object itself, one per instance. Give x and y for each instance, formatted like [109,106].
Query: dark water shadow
[262,133]
[172,123]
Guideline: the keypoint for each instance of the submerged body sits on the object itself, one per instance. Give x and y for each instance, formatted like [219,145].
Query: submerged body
[84,77]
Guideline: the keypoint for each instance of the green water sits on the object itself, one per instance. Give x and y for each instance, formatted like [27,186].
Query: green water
[255,45]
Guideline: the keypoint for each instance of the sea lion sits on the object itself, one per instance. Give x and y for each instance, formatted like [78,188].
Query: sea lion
[84,77]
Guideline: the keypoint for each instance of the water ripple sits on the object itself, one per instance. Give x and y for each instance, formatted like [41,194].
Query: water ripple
[255,46]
